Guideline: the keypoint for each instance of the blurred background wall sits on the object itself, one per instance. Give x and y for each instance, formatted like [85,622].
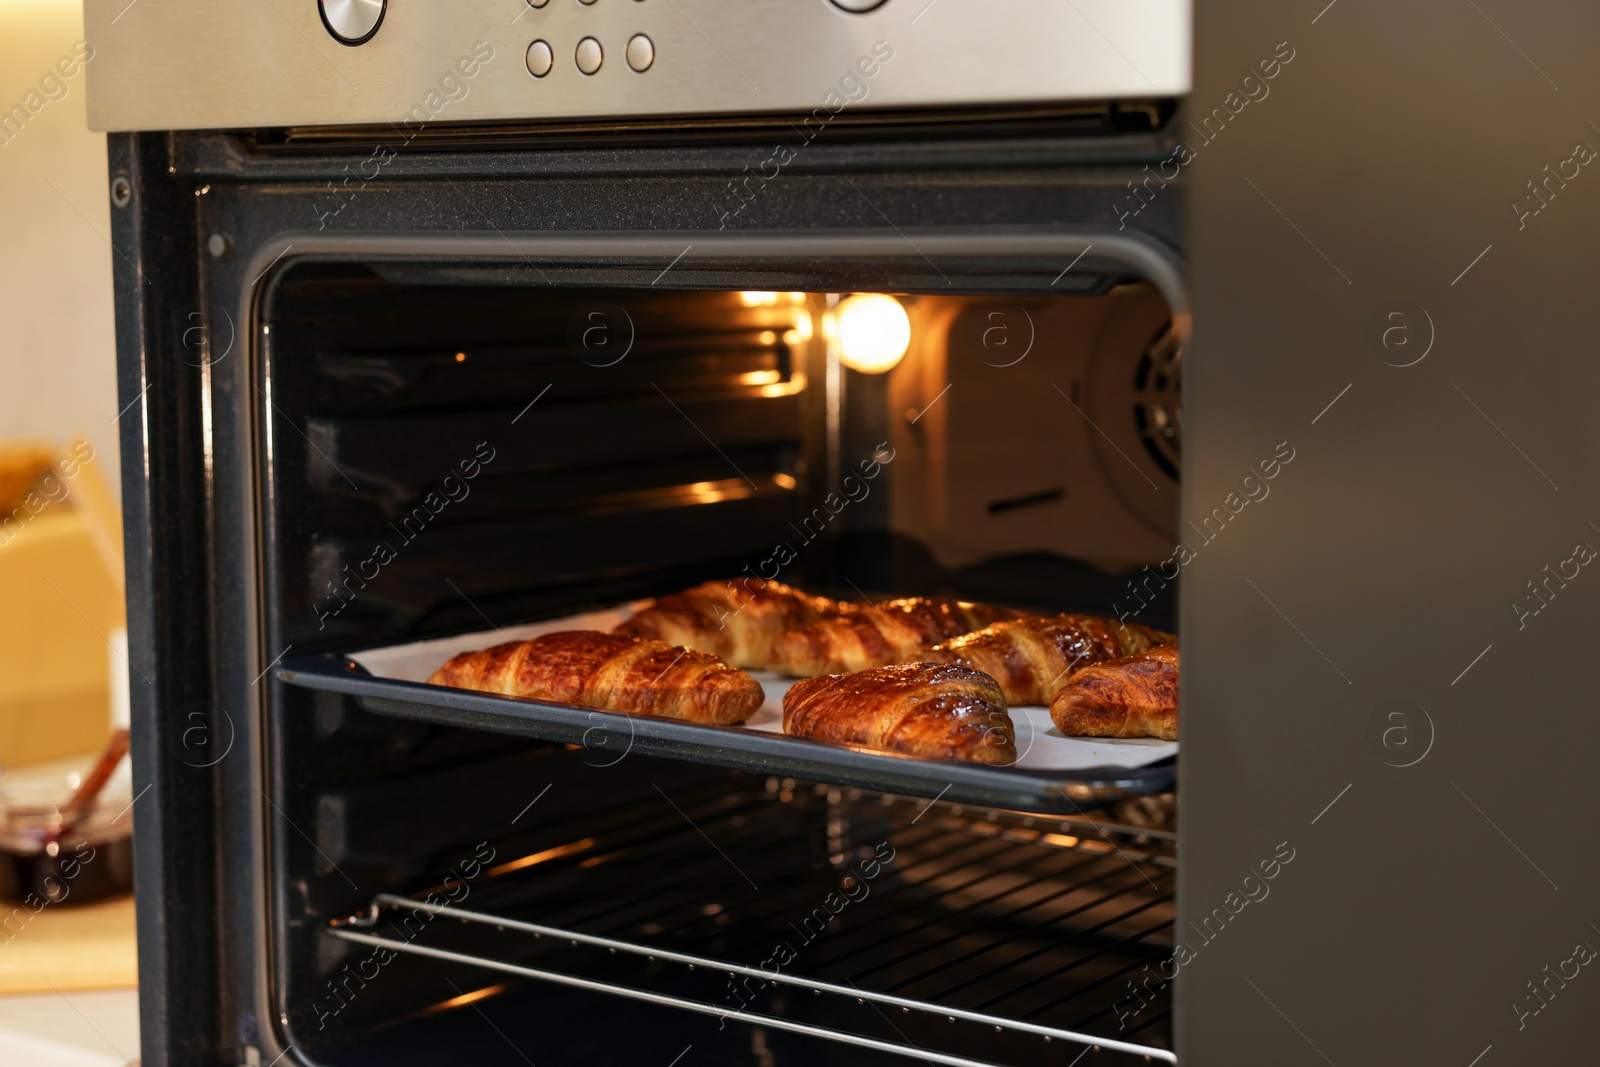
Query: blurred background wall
[63,666]
[60,567]
[57,360]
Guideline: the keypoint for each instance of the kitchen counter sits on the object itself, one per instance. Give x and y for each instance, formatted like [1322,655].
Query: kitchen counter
[82,1029]
[67,985]
[68,947]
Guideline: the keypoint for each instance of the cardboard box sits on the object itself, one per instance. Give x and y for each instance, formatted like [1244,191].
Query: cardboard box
[61,610]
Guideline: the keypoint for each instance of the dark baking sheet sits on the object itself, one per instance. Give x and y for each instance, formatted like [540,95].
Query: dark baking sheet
[618,736]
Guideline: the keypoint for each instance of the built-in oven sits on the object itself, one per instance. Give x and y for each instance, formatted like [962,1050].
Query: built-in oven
[444,327]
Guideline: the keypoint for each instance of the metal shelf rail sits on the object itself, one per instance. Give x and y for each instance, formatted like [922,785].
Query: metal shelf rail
[1005,932]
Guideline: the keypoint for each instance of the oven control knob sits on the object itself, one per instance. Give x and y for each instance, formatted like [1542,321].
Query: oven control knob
[857,6]
[352,22]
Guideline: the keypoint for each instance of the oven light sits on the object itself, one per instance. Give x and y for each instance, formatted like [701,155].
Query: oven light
[768,300]
[803,327]
[874,332]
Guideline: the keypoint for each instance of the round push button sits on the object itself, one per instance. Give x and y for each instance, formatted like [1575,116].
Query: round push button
[540,58]
[537,3]
[352,22]
[589,55]
[857,6]
[641,52]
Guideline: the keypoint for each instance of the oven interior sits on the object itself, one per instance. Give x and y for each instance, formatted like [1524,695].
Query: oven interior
[525,443]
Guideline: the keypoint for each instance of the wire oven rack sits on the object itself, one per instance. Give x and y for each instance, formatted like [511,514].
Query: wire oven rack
[984,934]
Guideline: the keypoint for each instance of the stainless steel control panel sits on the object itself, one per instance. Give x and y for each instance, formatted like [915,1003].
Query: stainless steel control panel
[177,64]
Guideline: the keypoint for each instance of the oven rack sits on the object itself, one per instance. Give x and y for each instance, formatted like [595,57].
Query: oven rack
[502,923]
[618,735]
[976,904]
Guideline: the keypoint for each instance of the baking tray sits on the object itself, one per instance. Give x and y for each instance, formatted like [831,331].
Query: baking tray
[1054,774]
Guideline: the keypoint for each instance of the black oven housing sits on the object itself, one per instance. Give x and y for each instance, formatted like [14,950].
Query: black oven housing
[217,219]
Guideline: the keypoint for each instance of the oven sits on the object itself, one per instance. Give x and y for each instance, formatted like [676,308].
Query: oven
[438,328]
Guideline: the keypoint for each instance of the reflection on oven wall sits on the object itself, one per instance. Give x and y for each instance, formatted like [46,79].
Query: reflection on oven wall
[439,448]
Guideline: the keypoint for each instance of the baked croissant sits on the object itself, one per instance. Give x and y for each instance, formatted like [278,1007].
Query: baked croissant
[1135,696]
[616,672]
[876,635]
[1033,658]
[921,709]
[737,620]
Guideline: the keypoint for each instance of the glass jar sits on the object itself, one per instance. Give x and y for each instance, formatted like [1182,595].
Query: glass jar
[40,862]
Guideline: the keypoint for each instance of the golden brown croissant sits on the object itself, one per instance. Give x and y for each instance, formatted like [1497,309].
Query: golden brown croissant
[876,635]
[737,619]
[616,672]
[922,709]
[1033,658]
[1136,696]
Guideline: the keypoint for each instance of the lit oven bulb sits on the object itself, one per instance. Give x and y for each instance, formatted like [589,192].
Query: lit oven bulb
[874,332]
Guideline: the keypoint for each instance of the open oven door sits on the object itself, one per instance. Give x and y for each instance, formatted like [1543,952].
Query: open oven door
[1386,675]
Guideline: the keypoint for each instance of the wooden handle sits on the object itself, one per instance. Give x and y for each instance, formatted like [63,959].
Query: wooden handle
[116,749]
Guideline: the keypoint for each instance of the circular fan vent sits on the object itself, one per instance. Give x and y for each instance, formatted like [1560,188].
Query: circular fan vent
[1157,406]
[1131,386]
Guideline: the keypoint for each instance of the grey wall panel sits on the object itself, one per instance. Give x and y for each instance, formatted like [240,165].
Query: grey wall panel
[1380,573]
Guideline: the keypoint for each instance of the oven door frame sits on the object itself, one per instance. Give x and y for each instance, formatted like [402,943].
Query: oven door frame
[190,372]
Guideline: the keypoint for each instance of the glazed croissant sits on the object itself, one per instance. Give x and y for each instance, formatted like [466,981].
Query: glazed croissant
[737,620]
[1033,658]
[920,709]
[896,631]
[615,672]
[1135,696]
